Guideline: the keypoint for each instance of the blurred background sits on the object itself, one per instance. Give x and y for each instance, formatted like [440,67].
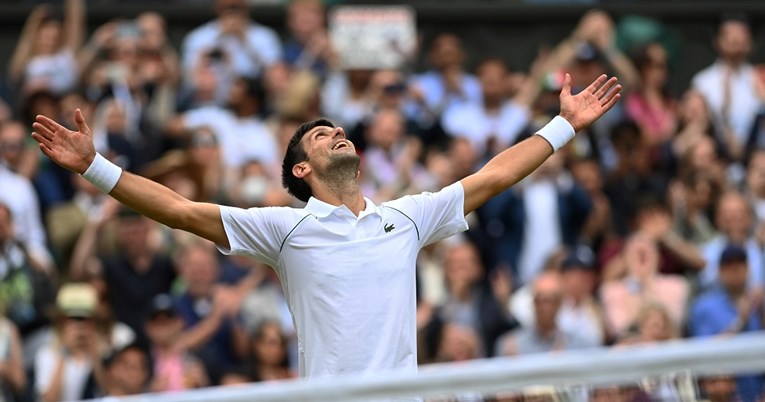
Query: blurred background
[648,227]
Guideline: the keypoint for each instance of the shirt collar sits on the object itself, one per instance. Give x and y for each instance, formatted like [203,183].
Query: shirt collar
[322,209]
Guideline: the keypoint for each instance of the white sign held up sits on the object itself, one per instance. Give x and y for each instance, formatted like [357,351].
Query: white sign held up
[373,37]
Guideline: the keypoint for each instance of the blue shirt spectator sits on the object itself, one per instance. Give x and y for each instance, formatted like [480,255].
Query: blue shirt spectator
[731,309]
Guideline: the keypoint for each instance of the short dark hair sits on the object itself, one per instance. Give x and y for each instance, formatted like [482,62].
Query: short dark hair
[296,154]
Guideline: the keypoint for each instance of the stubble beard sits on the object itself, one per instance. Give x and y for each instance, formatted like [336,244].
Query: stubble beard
[340,173]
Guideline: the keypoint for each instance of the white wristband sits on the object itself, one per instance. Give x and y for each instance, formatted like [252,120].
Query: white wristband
[558,132]
[103,174]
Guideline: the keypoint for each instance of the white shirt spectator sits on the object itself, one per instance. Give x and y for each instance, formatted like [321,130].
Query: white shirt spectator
[75,376]
[19,195]
[541,235]
[241,139]
[744,103]
[581,319]
[474,122]
[57,72]
[261,49]
[332,266]
[437,98]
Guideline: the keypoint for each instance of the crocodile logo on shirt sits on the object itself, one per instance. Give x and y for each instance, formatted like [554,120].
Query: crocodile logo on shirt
[388,227]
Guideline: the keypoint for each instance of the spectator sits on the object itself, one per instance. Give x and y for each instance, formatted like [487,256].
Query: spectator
[494,123]
[653,324]
[209,312]
[241,133]
[125,372]
[733,221]
[544,335]
[391,168]
[269,359]
[174,367]
[579,311]
[15,153]
[45,55]
[650,106]
[622,299]
[458,344]
[447,84]
[309,46]
[599,226]
[729,84]
[695,121]
[719,388]
[62,366]
[249,47]
[470,302]
[134,272]
[692,199]
[19,196]
[676,255]
[67,222]
[633,180]
[731,308]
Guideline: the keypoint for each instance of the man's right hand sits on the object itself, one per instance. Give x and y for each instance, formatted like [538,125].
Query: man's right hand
[73,150]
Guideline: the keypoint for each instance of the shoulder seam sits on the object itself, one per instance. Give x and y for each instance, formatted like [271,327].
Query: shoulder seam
[292,230]
[407,217]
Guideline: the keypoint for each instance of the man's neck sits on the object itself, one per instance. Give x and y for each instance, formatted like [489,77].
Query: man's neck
[733,64]
[492,104]
[341,191]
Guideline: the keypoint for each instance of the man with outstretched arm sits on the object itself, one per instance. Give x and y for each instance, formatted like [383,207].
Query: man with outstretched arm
[347,265]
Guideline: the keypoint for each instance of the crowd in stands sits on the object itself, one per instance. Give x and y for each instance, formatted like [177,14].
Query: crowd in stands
[648,227]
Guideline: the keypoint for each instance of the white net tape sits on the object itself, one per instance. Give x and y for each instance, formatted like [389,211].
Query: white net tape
[745,353]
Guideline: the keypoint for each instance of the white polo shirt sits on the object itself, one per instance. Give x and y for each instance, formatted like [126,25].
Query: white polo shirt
[349,281]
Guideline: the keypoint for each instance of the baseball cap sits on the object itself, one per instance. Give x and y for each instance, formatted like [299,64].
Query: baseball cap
[77,300]
[732,254]
[162,303]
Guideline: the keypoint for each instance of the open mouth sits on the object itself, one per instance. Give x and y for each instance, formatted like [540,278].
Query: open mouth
[341,145]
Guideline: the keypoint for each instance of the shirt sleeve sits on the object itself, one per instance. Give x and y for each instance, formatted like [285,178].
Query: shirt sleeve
[255,232]
[436,215]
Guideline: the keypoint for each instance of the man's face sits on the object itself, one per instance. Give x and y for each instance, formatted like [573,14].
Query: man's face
[200,271]
[12,143]
[733,216]
[492,76]
[462,266]
[328,153]
[734,41]
[547,299]
[164,328]
[386,129]
[734,276]
[446,52]
[130,371]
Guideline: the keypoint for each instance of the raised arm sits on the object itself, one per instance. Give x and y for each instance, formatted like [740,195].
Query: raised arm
[515,163]
[74,151]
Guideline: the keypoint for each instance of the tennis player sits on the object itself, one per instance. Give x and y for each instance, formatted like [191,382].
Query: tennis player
[347,265]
